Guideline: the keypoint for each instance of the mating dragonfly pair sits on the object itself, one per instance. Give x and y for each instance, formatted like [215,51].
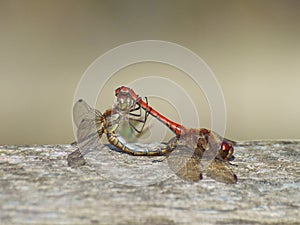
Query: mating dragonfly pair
[190,148]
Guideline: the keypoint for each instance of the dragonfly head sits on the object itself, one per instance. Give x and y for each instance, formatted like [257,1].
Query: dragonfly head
[124,101]
[226,150]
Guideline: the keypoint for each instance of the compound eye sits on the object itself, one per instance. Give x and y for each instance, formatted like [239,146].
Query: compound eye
[225,146]
[117,91]
[226,150]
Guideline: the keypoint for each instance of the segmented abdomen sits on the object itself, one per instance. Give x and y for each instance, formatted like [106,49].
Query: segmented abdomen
[138,149]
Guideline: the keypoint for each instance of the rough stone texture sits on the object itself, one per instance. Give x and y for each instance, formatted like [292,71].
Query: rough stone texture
[38,187]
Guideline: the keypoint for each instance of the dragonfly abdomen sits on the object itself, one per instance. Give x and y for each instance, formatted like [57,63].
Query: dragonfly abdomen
[135,149]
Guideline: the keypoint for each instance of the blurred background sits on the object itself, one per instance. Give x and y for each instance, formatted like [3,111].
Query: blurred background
[253,48]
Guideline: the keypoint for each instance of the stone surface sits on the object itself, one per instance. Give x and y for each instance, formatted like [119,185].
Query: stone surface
[38,187]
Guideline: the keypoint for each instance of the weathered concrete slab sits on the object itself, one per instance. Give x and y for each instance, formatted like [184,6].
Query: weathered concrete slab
[38,187]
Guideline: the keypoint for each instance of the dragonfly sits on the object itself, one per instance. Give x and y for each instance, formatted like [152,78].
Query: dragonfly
[191,147]
[92,124]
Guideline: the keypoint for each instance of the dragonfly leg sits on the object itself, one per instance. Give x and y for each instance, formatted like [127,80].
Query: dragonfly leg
[138,107]
[143,121]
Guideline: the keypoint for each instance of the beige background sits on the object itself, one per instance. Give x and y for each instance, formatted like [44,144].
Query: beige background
[253,47]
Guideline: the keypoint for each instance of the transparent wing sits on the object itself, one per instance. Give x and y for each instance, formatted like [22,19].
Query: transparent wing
[88,136]
[89,124]
[202,142]
[219,171]
[81,110]
[197,153]
[185,163]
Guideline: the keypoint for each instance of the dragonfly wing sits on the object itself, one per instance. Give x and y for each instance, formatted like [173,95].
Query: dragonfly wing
[82,110]
[214,141]
[87,135]
[232,142]
[185,163]
[221,138]
[219,171]
[89,124]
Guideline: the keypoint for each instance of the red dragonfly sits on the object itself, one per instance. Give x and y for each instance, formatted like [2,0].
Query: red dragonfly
[191,146]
